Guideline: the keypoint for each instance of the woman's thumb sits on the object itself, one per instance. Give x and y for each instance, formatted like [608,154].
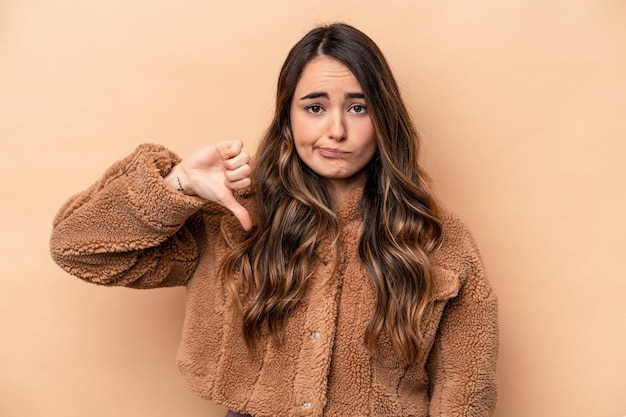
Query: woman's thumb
[240,213]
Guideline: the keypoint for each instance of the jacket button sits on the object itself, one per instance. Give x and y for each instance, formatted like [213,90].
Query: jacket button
[306,405]
[315,335]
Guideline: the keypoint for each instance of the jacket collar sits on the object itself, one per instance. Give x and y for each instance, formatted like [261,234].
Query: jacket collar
[447,283]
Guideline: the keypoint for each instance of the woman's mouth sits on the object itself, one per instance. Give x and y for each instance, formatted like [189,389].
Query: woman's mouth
[331,152]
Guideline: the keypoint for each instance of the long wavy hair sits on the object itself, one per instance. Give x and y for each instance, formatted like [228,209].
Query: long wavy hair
[271,269]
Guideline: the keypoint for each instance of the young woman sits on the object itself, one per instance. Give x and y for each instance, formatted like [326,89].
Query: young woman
[323,278]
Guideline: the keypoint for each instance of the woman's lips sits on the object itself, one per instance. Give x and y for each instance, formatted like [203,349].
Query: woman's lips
[331,152]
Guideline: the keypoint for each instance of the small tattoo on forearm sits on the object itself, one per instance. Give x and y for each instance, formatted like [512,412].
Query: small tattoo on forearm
[180,186]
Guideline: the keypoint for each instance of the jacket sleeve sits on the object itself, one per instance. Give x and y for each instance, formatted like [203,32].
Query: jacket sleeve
[462,365]
[128,228]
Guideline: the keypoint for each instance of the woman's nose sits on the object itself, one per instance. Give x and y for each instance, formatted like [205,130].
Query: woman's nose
[337,129]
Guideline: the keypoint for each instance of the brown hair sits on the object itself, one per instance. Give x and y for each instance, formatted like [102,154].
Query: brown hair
[295,207]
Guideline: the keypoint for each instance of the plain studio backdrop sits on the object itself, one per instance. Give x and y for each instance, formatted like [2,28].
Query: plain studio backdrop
[521,105]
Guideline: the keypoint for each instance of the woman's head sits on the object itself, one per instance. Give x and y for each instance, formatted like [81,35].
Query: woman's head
[331,128]
[395,136]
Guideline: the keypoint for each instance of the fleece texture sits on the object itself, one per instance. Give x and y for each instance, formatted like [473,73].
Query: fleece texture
[129,229]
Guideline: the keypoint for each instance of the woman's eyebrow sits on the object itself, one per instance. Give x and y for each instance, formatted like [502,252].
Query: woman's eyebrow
[313,95]
[318,94]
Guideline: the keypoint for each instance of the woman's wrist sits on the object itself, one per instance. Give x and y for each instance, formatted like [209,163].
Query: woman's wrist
[177,180]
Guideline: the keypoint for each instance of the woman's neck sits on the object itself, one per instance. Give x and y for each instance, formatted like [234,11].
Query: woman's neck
[342,188]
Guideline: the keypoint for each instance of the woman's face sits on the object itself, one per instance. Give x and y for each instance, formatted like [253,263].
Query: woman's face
[332,129]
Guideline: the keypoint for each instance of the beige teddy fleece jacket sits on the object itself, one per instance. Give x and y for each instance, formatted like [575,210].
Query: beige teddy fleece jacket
[129,229]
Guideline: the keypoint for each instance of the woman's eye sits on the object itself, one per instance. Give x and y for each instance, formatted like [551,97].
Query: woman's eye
[314,108]
[358,108]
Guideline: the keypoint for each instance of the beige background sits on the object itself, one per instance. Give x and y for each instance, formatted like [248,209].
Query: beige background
[522,107]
